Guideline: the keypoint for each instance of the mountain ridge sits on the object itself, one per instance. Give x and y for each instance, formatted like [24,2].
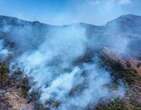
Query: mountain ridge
[81,23]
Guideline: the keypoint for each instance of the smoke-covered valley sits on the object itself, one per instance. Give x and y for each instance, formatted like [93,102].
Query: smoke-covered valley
[65,61]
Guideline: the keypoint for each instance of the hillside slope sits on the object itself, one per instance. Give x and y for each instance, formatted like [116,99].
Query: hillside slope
[48,55]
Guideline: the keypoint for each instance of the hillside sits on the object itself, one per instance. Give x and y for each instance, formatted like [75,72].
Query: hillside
[65,65]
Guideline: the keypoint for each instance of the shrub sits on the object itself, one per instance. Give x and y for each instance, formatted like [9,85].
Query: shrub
[3,74]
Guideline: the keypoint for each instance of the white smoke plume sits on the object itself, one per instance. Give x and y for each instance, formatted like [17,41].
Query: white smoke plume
[48,55]
[51,67]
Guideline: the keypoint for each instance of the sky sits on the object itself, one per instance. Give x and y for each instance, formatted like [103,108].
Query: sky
[60,12]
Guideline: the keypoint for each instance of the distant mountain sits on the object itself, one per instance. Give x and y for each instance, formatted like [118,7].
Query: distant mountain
[125,23]
[128,26]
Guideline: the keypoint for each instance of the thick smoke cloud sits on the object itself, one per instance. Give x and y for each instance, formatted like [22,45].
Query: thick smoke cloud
[57,52]
[95,88]
[50,63]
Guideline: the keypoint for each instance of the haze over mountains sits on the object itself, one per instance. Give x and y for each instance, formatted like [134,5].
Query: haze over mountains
[21,32]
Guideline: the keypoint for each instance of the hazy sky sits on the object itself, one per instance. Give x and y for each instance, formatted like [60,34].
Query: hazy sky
[69,11]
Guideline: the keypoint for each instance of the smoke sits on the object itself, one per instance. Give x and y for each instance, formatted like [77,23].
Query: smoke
[94,87]
[56,53]
[47,54]
[51,65]
[3,51]
[117,43]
